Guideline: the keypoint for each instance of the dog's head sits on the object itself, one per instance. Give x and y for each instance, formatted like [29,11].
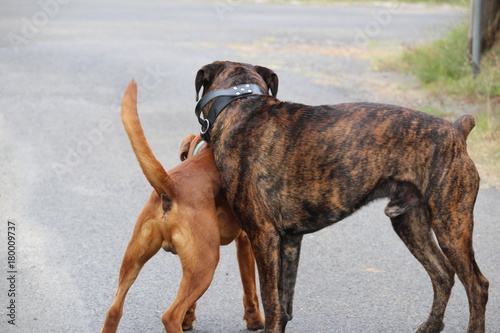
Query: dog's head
[225,74]
[188,146]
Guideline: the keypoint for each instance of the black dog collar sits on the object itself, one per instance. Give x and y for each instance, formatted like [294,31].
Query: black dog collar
[224,97]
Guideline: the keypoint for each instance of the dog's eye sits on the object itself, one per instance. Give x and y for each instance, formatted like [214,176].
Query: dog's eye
[184,156]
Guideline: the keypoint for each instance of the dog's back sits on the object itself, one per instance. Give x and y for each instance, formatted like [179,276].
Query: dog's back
[341,156]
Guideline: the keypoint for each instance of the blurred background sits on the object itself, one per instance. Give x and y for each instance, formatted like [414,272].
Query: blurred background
[71,187]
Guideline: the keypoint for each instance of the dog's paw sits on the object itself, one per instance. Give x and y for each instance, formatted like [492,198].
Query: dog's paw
[184,329]
[189,318]
[259,326]
[254,319]
[430,327]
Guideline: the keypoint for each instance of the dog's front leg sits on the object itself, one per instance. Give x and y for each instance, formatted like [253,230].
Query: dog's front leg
[145,242]
[290,253]
[246,261]
[266,247]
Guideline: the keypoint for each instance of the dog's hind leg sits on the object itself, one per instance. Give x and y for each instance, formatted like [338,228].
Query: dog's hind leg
[453,223]
[290,253]
[145,242]
[199,255]
[195,281]
[414,228]
[246,261]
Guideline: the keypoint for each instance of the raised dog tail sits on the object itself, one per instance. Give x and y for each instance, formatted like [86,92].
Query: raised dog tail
[151,167]
[465,124]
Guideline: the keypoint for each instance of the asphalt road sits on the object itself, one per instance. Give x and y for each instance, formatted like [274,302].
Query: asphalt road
[71,188]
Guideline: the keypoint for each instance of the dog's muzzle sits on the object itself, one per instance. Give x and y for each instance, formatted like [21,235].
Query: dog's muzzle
[224,97]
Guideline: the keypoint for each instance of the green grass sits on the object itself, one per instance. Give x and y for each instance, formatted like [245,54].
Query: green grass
[443,68]
[440,60]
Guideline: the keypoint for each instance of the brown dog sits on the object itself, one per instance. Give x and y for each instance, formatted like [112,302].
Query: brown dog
[187,215]
[290,169]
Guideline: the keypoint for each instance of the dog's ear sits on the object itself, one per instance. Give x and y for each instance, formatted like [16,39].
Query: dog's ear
[269,77]
[205,76]
[185,145]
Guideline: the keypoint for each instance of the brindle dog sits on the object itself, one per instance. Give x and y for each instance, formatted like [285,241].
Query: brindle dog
[289,169]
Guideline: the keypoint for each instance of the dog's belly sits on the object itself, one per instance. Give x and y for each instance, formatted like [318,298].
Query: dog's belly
[305,207]
[307,167]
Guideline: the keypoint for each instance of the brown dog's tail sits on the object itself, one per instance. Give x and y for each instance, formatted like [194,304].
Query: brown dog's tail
[151,167]
[465,124]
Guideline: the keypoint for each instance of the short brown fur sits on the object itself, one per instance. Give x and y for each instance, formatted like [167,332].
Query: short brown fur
[188,215]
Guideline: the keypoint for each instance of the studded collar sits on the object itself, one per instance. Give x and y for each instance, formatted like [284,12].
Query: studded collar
[223,98]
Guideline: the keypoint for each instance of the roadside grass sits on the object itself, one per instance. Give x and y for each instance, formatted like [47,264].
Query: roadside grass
[443,68]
